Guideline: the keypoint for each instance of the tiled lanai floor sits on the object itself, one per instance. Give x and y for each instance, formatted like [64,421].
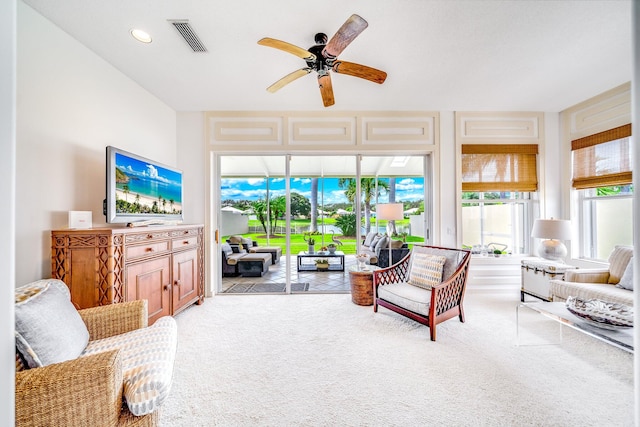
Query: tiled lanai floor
[319,281]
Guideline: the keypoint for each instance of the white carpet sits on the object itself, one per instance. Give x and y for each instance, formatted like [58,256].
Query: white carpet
[320,360]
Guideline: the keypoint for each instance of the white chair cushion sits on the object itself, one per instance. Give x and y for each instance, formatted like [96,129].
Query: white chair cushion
[48,327]
[407,296]
[148,356]
[562,290]
[426,270]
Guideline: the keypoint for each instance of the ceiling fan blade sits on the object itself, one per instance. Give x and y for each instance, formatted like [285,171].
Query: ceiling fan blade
[287,47]
[362,71]
[345,35]
[326,90]
[288,79]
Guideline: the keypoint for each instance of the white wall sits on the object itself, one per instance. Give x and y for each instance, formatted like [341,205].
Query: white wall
[71,104]
[192,160]
[446,184]
[7,215]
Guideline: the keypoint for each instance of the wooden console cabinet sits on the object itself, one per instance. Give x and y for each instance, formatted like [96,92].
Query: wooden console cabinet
[164,265]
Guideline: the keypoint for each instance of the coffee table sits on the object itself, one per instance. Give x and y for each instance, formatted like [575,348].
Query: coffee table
[307,261]
[621,338]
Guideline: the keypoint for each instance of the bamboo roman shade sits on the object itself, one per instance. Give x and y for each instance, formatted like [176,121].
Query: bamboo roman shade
[499,167]
[603,159]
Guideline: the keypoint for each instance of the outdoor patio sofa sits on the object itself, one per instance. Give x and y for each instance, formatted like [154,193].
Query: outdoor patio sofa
[376,246]
[243,263]
[428,285]
[230,260]
[249,245]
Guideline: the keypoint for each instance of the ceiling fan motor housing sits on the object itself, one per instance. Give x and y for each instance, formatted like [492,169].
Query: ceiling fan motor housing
[321,64]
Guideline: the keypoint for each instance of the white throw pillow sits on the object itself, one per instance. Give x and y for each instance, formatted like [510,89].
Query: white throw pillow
[48,327]
[381,244]
[369,239]
[148,356]
[626,281]
[426,270]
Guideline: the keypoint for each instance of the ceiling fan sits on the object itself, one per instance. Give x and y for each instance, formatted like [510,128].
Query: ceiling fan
[323,57]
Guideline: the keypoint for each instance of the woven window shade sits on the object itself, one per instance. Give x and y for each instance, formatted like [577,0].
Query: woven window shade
[603,159]
[501,167]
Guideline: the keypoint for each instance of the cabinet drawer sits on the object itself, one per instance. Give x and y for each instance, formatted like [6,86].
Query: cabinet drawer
[184,242]
[148,249]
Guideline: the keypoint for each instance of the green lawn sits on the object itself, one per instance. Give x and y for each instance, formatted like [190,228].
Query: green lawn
[298,243]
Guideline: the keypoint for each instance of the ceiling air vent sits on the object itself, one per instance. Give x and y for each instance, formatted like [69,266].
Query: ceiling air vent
[188,34]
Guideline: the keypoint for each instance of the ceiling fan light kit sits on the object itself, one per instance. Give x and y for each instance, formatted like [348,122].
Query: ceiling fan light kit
[323,58]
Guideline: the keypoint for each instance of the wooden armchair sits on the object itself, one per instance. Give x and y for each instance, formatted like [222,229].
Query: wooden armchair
[398,288]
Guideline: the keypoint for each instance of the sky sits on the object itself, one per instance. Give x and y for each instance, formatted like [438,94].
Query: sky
[407,189]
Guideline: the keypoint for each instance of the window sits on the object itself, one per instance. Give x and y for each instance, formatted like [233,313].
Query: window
[497,220]
[497,183]
[602,175]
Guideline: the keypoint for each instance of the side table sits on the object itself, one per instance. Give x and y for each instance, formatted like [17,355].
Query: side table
[362,284]
[536,274]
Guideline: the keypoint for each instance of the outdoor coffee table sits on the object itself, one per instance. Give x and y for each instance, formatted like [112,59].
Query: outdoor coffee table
[621,338]
[307,261]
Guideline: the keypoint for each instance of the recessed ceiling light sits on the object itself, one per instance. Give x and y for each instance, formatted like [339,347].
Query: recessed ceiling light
[141,36]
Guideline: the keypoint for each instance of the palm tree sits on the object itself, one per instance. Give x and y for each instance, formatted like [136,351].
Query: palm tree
[277,209]
[125,189]
[314,205]
[369,191]
[260,210]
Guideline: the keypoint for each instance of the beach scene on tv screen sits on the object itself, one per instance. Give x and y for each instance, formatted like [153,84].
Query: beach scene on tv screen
[145,188]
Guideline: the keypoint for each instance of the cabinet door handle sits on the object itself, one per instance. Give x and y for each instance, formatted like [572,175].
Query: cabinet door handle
[166,287]
[177,283]
[149,249]
[186,242]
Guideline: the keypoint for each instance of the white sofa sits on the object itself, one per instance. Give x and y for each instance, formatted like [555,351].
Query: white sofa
[611,284]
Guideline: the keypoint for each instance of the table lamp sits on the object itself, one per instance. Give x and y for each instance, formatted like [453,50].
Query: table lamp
[390,212]
[554,231]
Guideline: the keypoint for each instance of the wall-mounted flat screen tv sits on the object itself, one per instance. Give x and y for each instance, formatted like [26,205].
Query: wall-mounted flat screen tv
[140,189]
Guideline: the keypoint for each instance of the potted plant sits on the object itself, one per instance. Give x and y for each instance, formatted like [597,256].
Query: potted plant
[322,264]
[311,243]
[331,248]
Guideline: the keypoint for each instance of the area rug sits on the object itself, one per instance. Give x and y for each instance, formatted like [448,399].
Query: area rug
[310,360]
[247,288]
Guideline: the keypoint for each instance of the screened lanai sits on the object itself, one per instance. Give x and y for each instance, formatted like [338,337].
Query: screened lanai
[286,201]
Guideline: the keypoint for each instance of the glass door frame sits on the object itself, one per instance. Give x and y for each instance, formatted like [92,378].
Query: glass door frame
[214,190]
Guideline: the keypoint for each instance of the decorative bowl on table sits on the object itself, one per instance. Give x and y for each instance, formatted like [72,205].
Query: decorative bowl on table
[607,315]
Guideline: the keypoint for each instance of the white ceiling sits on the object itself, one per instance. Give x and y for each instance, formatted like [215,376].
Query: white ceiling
[442,55]
[321,166]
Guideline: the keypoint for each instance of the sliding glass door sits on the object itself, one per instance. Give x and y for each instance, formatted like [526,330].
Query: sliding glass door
[279,216]
[251,224]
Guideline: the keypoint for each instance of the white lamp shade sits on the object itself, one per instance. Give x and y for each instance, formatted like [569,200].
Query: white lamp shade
[557,229]
[390,211]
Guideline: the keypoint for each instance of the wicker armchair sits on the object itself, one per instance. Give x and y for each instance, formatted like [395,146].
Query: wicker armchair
[86,391]
[392,290]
